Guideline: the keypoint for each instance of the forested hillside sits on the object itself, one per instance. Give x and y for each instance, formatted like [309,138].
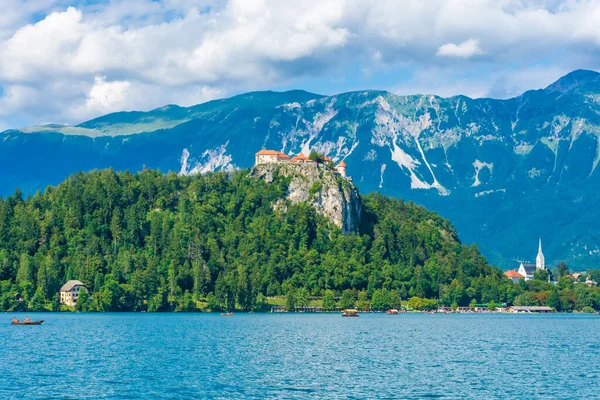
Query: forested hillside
[150,241]
[161,242]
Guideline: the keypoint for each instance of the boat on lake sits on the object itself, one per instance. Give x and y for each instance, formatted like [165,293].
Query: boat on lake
[350,313]
[393,312]
[28,323]
[229,314]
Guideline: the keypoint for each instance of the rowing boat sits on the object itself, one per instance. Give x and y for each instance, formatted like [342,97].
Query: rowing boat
[28,323]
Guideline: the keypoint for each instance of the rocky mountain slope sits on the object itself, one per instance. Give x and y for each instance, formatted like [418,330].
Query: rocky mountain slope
[505,172]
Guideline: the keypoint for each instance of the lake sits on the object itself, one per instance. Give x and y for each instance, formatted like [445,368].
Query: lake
[184,356]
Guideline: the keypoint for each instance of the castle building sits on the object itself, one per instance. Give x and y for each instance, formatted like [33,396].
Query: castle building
[273,156]
[270,156]
[341,168]
[527,270]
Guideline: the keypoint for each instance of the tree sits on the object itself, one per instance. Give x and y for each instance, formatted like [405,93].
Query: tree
[317,157]
[492,305]
[290,300]
[82,301]
[348,299]
[380,300]
[363,302]
[329,300]
[562,270]
[473,303]
[554,300]
[541,275]
[524,299]
[302,297]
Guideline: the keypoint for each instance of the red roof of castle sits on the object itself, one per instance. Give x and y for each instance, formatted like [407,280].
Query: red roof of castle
[265,152]
[342,164]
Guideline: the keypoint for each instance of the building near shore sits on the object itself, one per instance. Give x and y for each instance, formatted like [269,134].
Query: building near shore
[530,309]
[70,291]
[514,275]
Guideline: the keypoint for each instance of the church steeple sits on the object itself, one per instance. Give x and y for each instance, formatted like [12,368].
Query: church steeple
[540,262]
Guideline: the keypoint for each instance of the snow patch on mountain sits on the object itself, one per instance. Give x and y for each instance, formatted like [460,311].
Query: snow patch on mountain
[209,161]
[479,165]
[383,166]
[523,148]
[488,192]
[314,128]
[370,156]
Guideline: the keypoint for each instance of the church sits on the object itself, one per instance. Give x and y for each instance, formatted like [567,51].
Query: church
[527,270]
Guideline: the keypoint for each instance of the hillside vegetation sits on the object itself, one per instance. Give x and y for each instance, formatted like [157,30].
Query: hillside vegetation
[153,242]
[156,242]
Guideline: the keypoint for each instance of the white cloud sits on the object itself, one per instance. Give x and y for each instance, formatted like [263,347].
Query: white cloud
[466,49]
[78,62]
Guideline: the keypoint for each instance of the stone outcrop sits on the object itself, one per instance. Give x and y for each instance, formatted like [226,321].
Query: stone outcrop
[331,195]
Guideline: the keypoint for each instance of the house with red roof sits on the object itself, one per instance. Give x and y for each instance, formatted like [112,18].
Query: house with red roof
[514,275]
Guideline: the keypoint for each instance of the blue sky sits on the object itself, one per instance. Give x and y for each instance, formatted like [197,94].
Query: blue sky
[67,61]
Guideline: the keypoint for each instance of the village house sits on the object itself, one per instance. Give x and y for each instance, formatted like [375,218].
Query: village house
[514,275]
[589,281]
[70,291]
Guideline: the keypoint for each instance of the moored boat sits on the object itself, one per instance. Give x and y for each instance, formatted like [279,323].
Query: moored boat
[229,314]
[40,322]
[350,313]
[392,312]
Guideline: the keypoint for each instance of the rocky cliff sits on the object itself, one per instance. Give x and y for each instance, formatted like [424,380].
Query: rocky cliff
[331,195]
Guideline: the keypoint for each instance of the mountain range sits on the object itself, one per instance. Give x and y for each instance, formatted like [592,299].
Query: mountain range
[505,172]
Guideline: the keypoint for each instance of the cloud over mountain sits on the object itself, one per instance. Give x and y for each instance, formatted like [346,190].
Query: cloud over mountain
[64,61]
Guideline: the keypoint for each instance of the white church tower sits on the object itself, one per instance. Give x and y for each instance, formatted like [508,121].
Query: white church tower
[540,262]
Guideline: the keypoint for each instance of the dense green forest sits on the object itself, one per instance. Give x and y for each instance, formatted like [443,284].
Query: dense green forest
[157,242]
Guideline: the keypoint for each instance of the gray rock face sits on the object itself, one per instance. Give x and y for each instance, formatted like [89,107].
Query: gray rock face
[331,195]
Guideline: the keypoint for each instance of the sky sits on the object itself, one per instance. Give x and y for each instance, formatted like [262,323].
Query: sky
[69,61]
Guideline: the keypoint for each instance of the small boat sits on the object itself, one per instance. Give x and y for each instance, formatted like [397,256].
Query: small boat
[393,312]
[229,314]
[350,313]
[28,323]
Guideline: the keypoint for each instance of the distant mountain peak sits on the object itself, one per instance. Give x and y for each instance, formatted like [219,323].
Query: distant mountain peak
[573,80]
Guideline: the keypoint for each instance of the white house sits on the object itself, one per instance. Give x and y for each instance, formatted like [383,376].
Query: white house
[70,291]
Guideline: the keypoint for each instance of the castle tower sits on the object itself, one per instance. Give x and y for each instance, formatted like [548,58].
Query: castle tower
[341,168]
[540,262]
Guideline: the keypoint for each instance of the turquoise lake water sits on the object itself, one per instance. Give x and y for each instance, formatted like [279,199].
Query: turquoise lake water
[195,356]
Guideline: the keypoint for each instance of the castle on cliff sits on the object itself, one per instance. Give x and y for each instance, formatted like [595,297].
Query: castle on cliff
[272,156]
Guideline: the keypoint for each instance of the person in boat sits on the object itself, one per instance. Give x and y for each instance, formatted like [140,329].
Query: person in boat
[27,318]
[15,320]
